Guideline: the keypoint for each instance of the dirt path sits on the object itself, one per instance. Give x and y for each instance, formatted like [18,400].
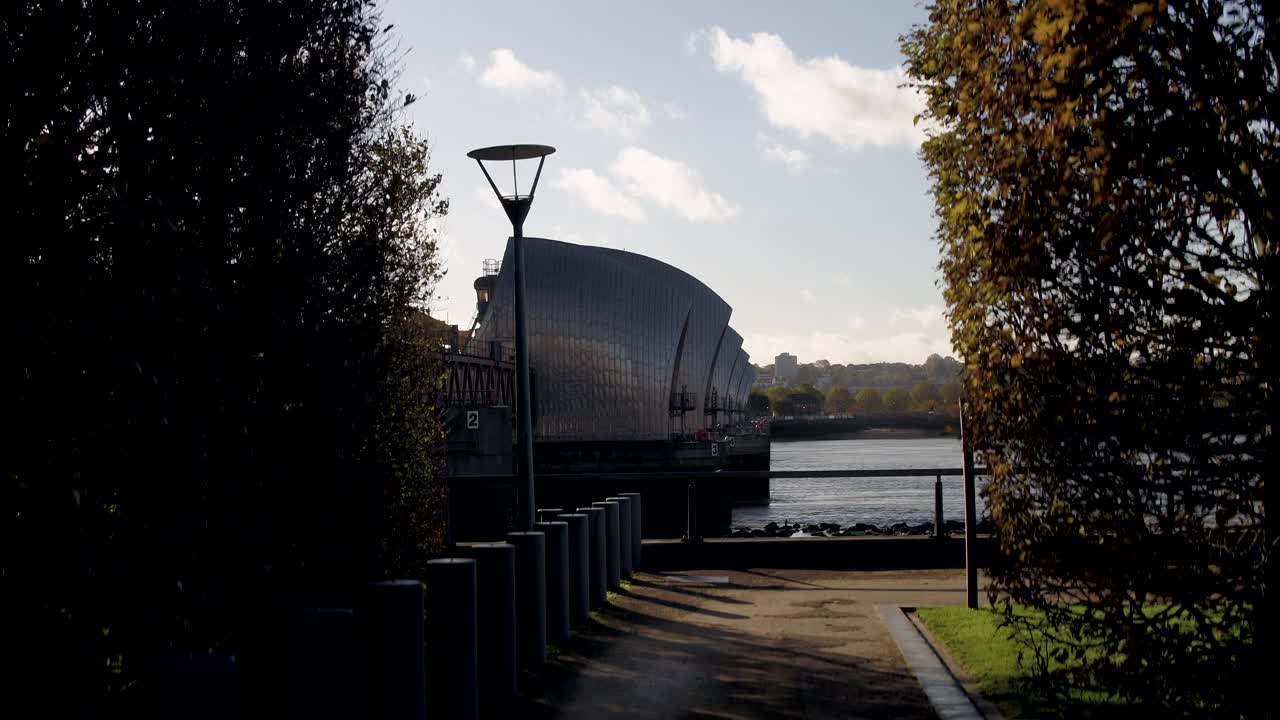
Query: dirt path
[745,644]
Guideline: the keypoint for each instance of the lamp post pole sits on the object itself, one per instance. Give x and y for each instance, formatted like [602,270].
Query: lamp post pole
[517,208]
[524,409]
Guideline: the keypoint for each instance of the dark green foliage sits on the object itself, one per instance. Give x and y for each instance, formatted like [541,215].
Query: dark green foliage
[213,236]
[758,401]
[1102,175]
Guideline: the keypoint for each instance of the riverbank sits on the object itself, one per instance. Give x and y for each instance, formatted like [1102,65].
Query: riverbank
[828,529]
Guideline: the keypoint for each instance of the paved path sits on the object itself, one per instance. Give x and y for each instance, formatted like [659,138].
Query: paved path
[746,644]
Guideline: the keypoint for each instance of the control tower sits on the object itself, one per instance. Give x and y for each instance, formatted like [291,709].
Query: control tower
[484,286]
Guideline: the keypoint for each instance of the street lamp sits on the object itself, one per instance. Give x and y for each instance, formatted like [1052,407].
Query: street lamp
[517,208]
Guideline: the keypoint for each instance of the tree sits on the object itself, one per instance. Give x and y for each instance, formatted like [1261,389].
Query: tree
[950,393]
[1102,174]
[869,401]
[897,400]
[758,401]
[777,394]
[925,396]
[940,369]
[839,401]
[218,237]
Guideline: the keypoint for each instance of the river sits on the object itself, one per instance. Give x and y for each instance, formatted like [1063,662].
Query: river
[877,501]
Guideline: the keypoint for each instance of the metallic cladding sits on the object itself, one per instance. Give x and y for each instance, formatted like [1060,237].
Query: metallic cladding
[604,328]
[730,343]
[742,383]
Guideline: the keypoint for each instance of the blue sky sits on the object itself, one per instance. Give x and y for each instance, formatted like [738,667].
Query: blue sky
[765,148]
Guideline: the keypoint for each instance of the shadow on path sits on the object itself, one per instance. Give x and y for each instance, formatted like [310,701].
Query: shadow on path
[661,652]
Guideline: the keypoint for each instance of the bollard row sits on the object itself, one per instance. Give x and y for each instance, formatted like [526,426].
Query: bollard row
[481,616]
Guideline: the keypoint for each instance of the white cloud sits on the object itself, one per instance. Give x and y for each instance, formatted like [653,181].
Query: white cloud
[926,317]
[807,295]
[675,111]
[850,105]
[507,74]
[483,194]
[615,110]
[844,279]
[845,349]
[794,159]
[856,322]
[599,193]
[692,40]
[467,62]
[670,184]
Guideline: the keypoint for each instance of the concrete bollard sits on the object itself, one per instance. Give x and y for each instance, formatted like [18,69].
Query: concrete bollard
[637,536]
[598,549]
[548,514]
[531,597]
[319,663]
[579,566]
[613,557]
[391,622]
[557,583]
[453,687]
[624,535]
[198,686]
[496,616]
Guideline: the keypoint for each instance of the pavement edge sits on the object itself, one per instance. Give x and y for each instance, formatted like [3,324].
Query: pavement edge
[946,694]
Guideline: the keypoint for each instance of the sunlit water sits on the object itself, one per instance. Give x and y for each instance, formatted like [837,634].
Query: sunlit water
[877,501]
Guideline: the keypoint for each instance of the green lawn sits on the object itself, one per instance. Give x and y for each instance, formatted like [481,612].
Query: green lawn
[989,655]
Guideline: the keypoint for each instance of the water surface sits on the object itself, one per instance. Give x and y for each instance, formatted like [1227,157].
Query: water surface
[878,501]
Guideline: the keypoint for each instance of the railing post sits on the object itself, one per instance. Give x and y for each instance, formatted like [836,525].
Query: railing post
[938,530]
[970,517]
[691,520]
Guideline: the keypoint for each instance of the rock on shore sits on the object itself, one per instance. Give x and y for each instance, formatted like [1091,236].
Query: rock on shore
[788,529]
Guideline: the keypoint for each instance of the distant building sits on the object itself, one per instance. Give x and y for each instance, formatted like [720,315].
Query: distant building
[764,380]
[784,368]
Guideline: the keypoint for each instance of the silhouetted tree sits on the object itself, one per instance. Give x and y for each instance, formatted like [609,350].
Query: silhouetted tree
[1102,173]
[214,235]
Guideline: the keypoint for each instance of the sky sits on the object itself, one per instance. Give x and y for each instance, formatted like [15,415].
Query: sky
[768,149]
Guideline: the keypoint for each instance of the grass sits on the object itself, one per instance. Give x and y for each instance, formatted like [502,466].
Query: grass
[989,655]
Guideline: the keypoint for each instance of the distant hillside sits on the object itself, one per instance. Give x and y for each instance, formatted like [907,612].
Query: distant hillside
[935,369]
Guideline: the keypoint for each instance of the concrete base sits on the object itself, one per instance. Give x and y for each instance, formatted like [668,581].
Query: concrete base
[496,614]
[319,663]
[598,568]
[579,566]
[624,535]
[531,596]
[391,621]
[452,683]
[613,554]
[557,582]
[637,527]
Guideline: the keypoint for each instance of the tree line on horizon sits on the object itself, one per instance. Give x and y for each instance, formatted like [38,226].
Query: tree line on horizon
[885,376]
[806,399]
